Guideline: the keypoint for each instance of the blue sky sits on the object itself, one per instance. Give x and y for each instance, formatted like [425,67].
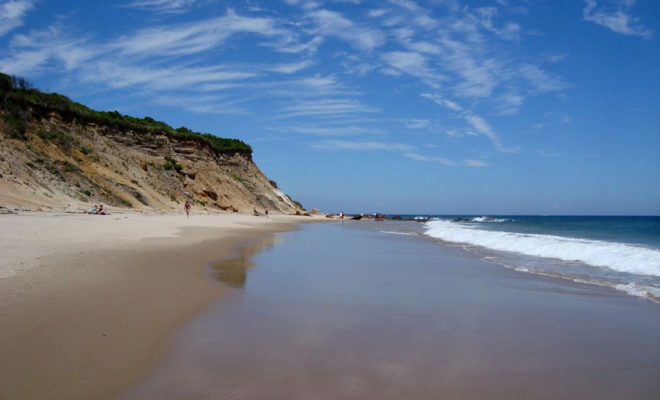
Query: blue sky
[445,106]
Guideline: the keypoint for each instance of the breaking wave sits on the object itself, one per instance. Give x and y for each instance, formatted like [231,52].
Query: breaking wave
[616,256]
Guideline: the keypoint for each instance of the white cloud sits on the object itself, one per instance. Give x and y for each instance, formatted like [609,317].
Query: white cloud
[377,13]
[204,104]
[12,14]
[331,23]
[291,68]
[420,157]
[420,16]
[417,123]
[485,15]
[509,103]
[326,108]
[615,17]
[541,81]
[347,130]
[194,37]
[164,6]
[442,101]
[363,146]
[475,163]
[413,64]
[482,127]
[121,75]
[406,150]
[33,51]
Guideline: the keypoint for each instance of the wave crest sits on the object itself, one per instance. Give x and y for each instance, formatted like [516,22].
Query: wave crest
[616,256]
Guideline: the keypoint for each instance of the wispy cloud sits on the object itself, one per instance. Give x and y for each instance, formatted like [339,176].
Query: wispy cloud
[436,98]
[194,37]
[548,153]
[313,63]
[291,68]
[616,17]
[32,52]
[163,6]
[405,150]
[341,130]
[332,23]
[413,64]
[477,123]
[326,108]
[12,14]
[205,104]
[541,81]
[481,126]
[435,159]
[417,123]
[158,78]
[363,146]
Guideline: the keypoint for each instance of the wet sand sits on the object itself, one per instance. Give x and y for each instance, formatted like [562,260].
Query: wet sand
[89,303]
[333,312]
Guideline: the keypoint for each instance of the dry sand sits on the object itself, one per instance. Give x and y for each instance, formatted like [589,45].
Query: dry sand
[89,303]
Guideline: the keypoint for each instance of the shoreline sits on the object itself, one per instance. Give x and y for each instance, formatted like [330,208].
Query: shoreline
[401,317]
[92,302]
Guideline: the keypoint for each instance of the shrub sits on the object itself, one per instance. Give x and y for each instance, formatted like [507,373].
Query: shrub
[171,163]
[68,167]
[17,91]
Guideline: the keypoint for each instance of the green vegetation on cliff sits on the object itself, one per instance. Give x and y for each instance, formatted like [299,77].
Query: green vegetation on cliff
[20,100]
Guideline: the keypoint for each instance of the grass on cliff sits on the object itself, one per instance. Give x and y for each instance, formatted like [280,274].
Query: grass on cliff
[19,100]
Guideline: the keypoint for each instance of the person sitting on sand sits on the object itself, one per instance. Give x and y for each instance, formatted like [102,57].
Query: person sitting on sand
[187,207]
[255,212]
[100,210]
[93,210]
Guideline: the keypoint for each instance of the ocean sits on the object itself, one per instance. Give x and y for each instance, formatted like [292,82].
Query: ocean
[618,252]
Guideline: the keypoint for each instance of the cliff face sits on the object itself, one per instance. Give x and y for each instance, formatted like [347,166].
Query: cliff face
[57,161]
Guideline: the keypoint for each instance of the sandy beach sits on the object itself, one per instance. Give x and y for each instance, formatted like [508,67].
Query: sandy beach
[89,302]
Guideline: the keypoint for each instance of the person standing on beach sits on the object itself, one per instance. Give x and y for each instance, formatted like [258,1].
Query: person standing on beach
[188,206]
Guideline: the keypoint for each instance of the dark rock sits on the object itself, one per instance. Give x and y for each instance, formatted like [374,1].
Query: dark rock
[211,194]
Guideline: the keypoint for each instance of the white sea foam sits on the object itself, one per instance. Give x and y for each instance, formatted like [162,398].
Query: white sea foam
[640,290]
[400,233]
[488,219]
[615,256]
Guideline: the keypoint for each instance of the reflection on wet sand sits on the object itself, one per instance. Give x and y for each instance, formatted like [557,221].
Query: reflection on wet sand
[344,313]
[233,272]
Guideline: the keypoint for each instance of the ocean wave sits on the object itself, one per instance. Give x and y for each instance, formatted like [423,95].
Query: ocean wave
[488,219]
[615,256]
[634,289]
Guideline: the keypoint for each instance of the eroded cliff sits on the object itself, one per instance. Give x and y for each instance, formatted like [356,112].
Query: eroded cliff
[53,158]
